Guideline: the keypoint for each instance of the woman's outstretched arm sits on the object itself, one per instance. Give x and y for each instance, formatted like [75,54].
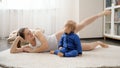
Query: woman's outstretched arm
[90,20]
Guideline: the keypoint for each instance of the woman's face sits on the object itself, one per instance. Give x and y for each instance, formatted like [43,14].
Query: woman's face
[28,35]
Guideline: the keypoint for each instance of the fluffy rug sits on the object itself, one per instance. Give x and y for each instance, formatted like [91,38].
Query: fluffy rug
[100,57]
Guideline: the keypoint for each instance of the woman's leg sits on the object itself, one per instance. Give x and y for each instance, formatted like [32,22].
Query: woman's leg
[92,45]
[90,20]
[59,34]
[84,23]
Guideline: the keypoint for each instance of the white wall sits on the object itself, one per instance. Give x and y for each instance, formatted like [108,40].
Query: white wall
[51,19]
[74,9]
[88,8]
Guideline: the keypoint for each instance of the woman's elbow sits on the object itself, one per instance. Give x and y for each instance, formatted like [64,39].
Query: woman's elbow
[47,46]
[13,51]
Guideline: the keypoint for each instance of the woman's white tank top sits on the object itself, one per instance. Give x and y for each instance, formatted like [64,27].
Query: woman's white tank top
[52,42]
[38,43]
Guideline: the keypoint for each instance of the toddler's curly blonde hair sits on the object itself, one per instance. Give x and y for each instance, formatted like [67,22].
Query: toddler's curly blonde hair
[71,25]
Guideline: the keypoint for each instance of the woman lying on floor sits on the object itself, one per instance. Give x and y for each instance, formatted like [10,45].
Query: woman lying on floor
[39,42]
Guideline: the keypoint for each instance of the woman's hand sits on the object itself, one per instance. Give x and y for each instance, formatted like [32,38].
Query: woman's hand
[29,50]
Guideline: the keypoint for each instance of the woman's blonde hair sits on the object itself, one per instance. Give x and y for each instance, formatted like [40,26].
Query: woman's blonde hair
[71,25]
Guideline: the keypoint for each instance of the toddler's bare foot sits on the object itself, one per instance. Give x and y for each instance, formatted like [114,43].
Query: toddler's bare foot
[60,54]
[102,44]
[52,52]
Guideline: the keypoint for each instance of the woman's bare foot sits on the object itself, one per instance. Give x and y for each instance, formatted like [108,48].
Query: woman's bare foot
[52,52]
[60,54]
[106,12]
[102,44]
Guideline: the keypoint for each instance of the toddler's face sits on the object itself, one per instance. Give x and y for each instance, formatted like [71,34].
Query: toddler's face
[67,30]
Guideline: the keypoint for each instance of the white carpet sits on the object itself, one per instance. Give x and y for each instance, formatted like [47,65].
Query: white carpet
[95,58]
